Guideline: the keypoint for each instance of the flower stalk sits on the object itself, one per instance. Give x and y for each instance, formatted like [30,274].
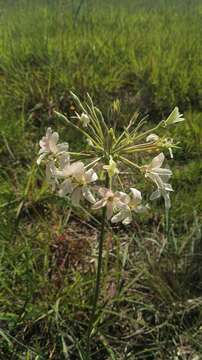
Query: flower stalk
[98,273]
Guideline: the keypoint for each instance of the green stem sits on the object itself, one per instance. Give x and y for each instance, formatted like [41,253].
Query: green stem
[98,275]
[78,129]
[130,163]
[167,225]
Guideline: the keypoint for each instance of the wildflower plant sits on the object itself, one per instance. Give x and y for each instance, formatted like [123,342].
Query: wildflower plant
[79,175]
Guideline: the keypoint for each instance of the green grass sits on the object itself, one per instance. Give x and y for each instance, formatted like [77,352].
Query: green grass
[147,55]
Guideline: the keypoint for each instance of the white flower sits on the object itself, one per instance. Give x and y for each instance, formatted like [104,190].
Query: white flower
[111,168]
[164,192]
[129,205]
[160,177]
[49,144]
[77,182]
[152,138]
[111,200]
[174,117]
[84,119]
[73,169]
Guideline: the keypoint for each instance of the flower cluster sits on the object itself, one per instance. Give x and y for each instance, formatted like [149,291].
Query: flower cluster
[79,175]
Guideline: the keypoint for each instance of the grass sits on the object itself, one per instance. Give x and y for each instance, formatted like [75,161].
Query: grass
[148,56]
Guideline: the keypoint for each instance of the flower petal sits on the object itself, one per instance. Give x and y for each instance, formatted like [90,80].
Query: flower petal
[53,141]
[99,204]
[161,171]
[104,192]
[123,197]
[156,179]
[88,194]
[127,220]
[168,187]
[157,161]
[41,157]
[136,194]
[64,160]
[74,169]
[90,176]
[49,132]
[63,147]
[155,195]
[66,188]
[121,215]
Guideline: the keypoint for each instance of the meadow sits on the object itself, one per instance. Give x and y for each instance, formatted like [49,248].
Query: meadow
[147,57]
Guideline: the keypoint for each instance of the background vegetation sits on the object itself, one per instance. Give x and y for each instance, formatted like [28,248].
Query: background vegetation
[147,54]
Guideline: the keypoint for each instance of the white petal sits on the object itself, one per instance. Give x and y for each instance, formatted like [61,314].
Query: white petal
[136,194]
[74,169]
[162,171]
[168,187]
[127,220]
[63,147]
[43,144]
[77,168]
[157,161]
[41,157]
[156,179]
[155,195]
[88,194]
[53,141]
[121,196]
[76,196]
[42,150]
[104,192]
[99,204]
[49,132]
[120,216]
[66,188]
[64,160]
[91,176]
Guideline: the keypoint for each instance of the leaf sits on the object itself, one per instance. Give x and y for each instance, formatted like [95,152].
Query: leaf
[64,348]
[2,334]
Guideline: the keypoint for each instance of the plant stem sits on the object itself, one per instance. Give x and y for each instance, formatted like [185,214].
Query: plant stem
[98,274]
[167,224]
